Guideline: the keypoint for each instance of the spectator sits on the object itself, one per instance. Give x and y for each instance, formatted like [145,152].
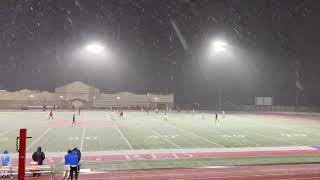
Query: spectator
[5,162]
[66,172]
[73,162]
[78,153]
[38,157]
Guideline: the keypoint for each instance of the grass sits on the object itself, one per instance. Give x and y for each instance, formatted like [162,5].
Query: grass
[139,130]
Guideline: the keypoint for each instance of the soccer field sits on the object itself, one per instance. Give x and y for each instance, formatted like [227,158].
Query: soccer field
[102,131]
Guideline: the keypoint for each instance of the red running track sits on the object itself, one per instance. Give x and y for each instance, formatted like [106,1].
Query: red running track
[266,172]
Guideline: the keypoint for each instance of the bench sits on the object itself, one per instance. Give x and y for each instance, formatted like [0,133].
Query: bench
[29,170]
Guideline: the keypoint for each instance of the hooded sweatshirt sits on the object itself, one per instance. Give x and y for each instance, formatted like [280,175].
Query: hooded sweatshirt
[5,158]
[38,156]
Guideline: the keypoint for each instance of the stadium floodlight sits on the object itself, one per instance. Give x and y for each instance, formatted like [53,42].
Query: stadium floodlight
[61,97]
[118,97]
[95,48]
[155,98]
[31,96]
[218,47]
[94,97]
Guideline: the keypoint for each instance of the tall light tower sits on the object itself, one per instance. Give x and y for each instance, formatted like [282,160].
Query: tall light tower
[94,51]
[219,49]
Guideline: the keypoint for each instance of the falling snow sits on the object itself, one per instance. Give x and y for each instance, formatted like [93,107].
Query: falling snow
[166,36]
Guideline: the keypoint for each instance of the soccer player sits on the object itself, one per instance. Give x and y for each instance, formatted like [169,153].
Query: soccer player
[51,114]
[216,121]
[223,114]
[203,117]
[73,119]
[79,111]
[121,114]
[157,110]
[165,116]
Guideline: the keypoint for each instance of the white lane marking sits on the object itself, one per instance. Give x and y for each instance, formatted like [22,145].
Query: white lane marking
[5,132]
[166,139]
[200,137]
[192,134]
[82,138]
[265,136]
[43,134]
[243,139]
[123,137]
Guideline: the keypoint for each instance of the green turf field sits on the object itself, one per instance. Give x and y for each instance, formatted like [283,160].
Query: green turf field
[96,131]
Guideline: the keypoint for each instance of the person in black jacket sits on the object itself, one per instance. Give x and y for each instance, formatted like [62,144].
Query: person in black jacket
[38,157]
[78,153]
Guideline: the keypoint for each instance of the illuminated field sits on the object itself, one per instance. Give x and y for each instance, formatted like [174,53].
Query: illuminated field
[101,132]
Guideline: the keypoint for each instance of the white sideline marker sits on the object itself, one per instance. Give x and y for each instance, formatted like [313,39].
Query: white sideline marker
[83,133]
[124,138]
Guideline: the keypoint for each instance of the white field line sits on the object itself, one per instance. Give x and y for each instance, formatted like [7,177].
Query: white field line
[123,137]
[6,132]
[200,137]
[158,134]
[297,131]
[43,134]
[194,150]
[241,138]
[259,134]
[214,175]
[82,138]
[283,128]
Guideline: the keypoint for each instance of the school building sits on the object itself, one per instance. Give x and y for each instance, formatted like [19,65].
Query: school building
[82,95]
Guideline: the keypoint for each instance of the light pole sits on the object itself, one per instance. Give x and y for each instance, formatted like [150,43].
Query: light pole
[94,50]
[219,49]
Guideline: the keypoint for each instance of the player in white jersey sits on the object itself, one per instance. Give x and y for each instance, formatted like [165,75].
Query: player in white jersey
[203,116]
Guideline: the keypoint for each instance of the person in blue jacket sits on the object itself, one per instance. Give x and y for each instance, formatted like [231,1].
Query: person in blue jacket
[5,162]
[66,172]
[73,162]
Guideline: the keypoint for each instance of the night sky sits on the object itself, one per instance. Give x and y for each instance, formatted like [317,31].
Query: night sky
[275,47]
